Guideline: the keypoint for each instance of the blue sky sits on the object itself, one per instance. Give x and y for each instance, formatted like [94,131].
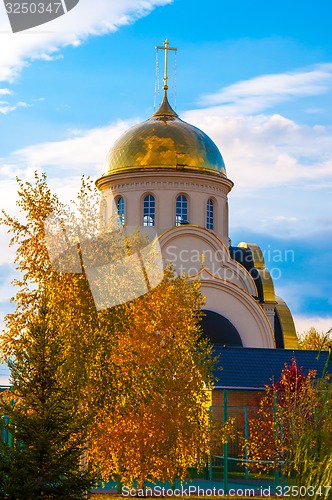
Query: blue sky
[256,76]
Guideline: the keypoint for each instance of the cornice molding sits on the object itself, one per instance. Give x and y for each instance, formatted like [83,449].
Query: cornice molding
[165,180]
[166,185]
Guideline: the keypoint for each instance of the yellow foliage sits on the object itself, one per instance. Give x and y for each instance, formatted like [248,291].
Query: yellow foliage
[159,424]
[313,340]
[140,368]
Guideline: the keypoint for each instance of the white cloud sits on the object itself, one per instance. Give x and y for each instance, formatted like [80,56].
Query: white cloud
[5,92]
[6,107]
[263,151]
[257,94]
[282,219]
[276,165]
[7,290]
[7,253]
[84,152]
[282,169]
[304,323]
[86,19]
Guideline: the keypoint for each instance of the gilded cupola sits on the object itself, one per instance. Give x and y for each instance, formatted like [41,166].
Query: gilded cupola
[165,142]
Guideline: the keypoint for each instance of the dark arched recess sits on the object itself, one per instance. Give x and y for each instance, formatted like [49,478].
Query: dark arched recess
[219,329]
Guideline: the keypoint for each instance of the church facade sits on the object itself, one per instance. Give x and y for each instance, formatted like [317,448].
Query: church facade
[168,175]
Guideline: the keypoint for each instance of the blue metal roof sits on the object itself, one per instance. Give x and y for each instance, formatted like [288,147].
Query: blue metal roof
[253,368]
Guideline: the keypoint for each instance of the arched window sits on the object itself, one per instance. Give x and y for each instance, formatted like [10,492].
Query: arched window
[120,205]
[209,214]
[149,210]
[181,214]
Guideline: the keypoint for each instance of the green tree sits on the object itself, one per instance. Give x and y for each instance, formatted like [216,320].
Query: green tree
[44,419]
[313,340]
[311,450]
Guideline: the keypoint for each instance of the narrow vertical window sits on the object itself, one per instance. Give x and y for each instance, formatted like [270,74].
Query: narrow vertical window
[181,214]
[209,214]
[120,204]
[149,210]
[104,211]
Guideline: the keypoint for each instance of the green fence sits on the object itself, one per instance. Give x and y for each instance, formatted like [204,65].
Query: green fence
[232,464]
[230,467]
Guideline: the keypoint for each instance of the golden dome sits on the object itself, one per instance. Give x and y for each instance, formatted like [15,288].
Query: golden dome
[165,142]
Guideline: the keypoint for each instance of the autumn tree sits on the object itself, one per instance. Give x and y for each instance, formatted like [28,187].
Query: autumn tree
[292,429]
[160,424]
[313,340]
[274,424]
[132,349]
[44,419]
[311,450]
[57,266]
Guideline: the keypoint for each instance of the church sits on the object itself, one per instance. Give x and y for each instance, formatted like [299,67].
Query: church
[168,175]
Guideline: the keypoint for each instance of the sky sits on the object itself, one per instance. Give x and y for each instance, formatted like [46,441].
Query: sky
[255,76]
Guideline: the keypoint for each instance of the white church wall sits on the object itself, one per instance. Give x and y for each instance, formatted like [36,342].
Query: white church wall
[191,249]
[165,187]
[241,310]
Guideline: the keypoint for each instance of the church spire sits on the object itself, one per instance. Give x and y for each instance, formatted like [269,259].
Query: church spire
[165,109]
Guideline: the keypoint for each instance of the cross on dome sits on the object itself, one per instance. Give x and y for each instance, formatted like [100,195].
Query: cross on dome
[166,48]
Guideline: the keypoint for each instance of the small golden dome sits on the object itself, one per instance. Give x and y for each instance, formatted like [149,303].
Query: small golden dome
[165,142]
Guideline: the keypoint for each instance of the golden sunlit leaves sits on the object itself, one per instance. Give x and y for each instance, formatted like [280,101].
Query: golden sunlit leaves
[314,340]
[141,370]
[160,423]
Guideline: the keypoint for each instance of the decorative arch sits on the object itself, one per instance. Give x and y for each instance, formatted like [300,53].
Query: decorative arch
[195,250]
[243,312]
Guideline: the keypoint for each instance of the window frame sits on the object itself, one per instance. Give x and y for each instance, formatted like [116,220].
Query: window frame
[121,217]
[152,209]
[210,214]
[184,212]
